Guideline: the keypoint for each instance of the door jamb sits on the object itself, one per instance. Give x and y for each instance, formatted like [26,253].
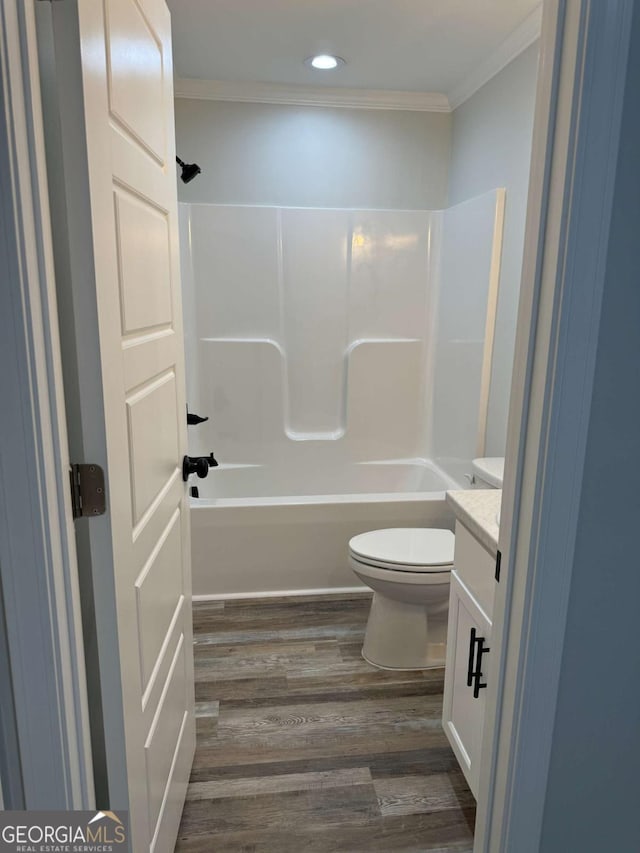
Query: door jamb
[38,567]
[575,151]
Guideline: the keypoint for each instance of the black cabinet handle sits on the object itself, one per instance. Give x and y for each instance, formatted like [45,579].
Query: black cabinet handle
[477,675]
[472,649]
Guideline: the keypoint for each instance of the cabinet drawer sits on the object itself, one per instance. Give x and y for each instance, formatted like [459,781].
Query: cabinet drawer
[476,568]
[467,667]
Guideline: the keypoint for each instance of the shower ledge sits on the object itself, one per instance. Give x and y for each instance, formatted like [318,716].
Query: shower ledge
[333,435]
[244,340]
[360,341]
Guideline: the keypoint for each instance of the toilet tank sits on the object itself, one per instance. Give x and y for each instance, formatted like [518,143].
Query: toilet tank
[488,472]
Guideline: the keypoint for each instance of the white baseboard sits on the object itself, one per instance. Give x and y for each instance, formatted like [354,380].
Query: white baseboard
[281,593]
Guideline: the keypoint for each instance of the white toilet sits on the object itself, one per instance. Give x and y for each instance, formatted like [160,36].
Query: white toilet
[488,472]
[408,570]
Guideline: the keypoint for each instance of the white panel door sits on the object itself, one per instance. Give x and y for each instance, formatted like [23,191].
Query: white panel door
[127,80]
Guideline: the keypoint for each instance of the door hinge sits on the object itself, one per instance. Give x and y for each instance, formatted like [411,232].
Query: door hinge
[87,490]
[498,565]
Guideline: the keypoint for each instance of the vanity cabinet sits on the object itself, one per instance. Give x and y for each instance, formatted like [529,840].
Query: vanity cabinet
[468,652]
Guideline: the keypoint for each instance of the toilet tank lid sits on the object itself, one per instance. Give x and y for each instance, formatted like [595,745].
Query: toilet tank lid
[491,469]
[406,546]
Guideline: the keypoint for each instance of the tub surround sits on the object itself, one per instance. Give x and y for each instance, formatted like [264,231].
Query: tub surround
[477,509]
[341,357]
[299,322]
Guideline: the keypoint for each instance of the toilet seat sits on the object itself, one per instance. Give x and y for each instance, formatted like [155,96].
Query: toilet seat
[400,576]
[402,567]
[405,549]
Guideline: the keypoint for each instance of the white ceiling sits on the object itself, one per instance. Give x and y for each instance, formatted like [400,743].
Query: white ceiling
[411,45]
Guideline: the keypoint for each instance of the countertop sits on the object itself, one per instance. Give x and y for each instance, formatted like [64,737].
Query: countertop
[477,510]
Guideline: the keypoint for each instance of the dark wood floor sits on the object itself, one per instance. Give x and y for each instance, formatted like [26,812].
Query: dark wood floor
[302,746]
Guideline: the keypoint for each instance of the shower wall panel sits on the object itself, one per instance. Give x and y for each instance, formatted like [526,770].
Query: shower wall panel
[335,335]
[236,259]
[389,273]
[315,284]
[467,296]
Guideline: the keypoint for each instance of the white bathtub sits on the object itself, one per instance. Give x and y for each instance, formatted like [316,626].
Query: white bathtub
[276,530]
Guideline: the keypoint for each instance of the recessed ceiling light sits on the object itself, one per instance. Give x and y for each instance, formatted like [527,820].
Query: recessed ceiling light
[324,62]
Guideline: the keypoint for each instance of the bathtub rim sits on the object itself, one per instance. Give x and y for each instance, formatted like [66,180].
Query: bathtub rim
[317,500]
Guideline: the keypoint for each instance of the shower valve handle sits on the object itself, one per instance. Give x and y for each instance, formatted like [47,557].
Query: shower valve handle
[197,465]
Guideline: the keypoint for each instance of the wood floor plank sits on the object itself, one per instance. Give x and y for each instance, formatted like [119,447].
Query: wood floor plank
[338,613]
[407,795]
[303,745]
[241,688]
[316,809]
[333,719]
[206,731]
[278,784]
[319,670]
[257,651]
[257,633]
[333,728]
[229,662]
[208,709]
[426,833]
[314,604]
[261,752]
[419,762]
[331,598]
[342,690]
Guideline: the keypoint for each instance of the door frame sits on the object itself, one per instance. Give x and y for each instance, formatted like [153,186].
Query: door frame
[551,390]
[583,73]
[38,567]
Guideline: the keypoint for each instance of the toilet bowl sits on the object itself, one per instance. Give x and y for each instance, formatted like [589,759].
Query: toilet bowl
[408,570]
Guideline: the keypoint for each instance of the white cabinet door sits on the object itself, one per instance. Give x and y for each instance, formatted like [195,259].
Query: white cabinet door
[135,337]
[466,671]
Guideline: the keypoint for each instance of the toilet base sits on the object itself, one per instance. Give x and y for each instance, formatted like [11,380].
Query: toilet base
[403,636]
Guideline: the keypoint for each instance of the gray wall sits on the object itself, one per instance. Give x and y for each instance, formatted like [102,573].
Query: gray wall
[491,147]
[313,156]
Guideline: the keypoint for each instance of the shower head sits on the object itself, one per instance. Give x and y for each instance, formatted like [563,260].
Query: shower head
[189,170]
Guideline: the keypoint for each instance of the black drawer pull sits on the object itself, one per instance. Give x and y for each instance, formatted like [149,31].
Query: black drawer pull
[472,649]
[477,675]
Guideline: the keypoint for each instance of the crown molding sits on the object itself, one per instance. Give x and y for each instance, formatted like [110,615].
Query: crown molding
[368,99]
[519,40]
[311,96]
